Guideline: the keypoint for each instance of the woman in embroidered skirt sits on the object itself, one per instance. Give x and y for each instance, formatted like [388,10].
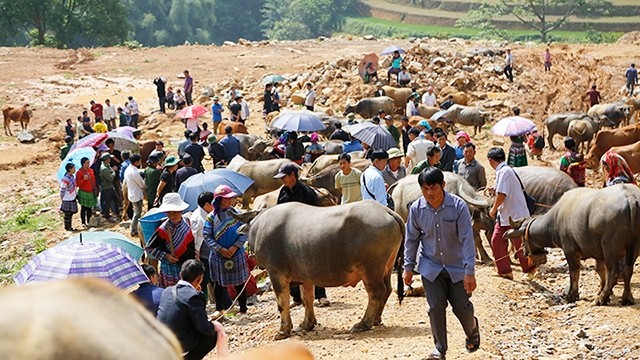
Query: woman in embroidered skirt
[172,243]
[87,190]
[227,261]
[68,193]
[517,152]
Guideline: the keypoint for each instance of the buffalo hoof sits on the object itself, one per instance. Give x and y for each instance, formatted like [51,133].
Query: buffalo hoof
[627,301]
[359,327]
[377,322]
[572,298]
[602,301]
[281,336]
[307,326]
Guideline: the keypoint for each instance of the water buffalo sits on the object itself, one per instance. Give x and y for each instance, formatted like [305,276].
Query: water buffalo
[634,104]
[80,319]
[368,107]
[321,163]
[545,184]
[427,111]
[406,191]
[361,244]
[399,95]
[468,116]
[261,172]
[615,113]
[271,199]
[16,114]
[588,223]
[326,178]
[260,149]
[606,139]
[559,124]
[583,131]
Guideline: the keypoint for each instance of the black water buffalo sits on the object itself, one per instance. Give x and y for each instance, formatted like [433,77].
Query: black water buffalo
[368,107]
[294,244]
[603,224]
[545,184]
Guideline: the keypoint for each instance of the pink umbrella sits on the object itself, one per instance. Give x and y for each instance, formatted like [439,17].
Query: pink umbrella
[513,126]
[126,131]
[90,140]
[192,111]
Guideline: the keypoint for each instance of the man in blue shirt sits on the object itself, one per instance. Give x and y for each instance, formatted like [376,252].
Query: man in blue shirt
[632,78]
[231,145]
[149,293]
[216,114]
[373,186]
[440,222]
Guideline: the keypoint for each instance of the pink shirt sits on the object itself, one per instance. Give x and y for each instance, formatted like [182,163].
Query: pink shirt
[547,57]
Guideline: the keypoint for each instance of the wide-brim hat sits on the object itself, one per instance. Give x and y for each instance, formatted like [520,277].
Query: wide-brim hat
[173,202]
[394,153]
[171,160]
[224,191]
[106,156]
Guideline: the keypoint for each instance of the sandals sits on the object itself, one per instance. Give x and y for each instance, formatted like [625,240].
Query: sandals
[473,342]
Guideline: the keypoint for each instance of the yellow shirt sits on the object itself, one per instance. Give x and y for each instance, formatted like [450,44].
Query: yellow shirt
[100,127]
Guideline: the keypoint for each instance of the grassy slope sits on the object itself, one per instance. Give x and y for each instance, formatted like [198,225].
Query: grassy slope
[571,36]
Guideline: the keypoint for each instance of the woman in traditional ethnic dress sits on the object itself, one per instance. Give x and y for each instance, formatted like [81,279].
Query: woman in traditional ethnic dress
[87,190]
[616,170]
[227,260]
[173,242]
[68,193]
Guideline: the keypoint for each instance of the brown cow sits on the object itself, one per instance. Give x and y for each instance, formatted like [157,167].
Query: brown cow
[635,109]
[290,350]
[145,150]
[80,319]
[631,153]
[22,114]
[606,139]
[236,127]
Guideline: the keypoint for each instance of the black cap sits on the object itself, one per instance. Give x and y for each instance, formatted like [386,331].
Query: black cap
[286,169]
[379,154]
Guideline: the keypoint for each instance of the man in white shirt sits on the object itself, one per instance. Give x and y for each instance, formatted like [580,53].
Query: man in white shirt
[411,109]
[198,219]
[373,186]
[417,149]
[135,190]
[508,65]
[429,98]
[109,114]
[244,110]
[310,98]
[404,78]
[509,203]
[132,108]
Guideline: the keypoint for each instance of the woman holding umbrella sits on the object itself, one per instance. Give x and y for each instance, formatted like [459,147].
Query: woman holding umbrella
[173,242]
[227,261]
[68,193]
[87,190]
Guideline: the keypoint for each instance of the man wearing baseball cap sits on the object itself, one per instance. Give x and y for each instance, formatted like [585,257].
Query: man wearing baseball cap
[294,190]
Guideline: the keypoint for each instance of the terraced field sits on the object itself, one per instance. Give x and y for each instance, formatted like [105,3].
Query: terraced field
[624,17]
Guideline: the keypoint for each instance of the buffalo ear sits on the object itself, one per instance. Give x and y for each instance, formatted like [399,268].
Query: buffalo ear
[513,234]
[246,217]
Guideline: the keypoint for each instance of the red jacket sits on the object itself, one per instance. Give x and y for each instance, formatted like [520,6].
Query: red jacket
[85,185]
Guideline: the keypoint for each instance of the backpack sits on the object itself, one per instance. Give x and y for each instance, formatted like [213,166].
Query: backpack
[539,142]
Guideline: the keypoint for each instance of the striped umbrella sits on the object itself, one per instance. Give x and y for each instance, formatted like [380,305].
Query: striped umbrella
[104,261]
[373,135]
[108,237]
[90,140]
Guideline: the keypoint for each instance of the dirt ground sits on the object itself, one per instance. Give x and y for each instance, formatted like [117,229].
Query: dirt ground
[518,320]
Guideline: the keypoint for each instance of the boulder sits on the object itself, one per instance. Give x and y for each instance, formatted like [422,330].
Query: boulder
[414,67]
[26,137]
[369,37]
[439,61]
[228,43]
[297,99]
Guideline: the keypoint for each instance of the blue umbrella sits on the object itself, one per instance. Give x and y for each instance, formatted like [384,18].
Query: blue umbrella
[108,237]
[303,120]
[389,50]
[271,79]
[209,181]
[439,114]
[74,156]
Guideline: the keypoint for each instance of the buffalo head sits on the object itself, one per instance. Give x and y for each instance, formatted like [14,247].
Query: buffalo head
[246,218]
[519,229]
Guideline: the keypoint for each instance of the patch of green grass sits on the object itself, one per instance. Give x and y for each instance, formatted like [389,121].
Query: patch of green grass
[362,24]
[26,219]
[132,69]
[68,75]
[96,53]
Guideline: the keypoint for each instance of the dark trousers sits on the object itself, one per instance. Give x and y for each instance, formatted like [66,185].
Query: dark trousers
[67,220]
[309,107]
[508,72]
[223,301]
[204,346]
[439,293]
[205,280]
[320,293]
[85,215]
[108,201]
[162,100]
[187,97]
[134,120]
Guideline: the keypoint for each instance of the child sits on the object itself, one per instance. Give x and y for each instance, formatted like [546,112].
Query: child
[68,195]
[547,60]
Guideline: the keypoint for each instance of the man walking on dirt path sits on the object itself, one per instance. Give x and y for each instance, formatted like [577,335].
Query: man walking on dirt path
[632,78]
[188,87]
[508,65]
[594,96]
[447,260]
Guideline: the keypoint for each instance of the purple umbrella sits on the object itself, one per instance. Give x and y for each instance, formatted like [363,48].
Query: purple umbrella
[99,260]
[513,126]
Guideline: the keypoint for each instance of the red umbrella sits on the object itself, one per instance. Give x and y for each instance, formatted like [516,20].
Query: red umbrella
[192,111]
[91,140]
[368,59]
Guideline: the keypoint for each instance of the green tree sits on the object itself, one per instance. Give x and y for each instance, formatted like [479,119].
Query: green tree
[302,19]
[66,23]
[236,20]
[482,19]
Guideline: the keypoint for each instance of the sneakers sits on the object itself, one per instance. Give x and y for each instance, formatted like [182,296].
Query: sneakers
[436,355]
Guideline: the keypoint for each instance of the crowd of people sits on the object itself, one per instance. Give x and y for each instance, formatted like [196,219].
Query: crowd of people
[202,256]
